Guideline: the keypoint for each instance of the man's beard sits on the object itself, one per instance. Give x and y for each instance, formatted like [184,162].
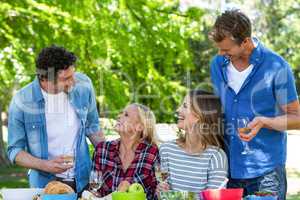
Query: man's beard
[67,90]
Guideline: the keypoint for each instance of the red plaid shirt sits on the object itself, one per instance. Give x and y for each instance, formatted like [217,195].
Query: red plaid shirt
[141,170]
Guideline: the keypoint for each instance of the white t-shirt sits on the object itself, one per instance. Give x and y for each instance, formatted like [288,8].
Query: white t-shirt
[62,126]
[236,78]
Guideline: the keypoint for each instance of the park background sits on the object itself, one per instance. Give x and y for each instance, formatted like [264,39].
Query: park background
[146,51]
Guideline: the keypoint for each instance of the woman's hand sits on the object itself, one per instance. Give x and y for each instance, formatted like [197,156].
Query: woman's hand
[123,186]
[162,187]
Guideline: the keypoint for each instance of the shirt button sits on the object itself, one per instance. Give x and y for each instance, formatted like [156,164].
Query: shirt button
[232,118]
[235,100]
[33,126]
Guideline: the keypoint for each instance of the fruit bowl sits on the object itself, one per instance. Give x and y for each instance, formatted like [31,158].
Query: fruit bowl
[254,197]
[128,196]
[222,194]
[72,196]
[177,195]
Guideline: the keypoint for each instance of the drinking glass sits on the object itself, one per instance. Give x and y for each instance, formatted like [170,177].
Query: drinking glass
[242,125]
[69,157]
[96,180]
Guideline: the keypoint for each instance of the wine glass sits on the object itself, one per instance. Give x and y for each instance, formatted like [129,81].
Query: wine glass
[69,157]
[96,180]
[158,172]
[242,125]
[162,175]
[162,171]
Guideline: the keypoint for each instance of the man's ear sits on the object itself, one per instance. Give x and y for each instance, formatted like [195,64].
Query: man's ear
[247,41]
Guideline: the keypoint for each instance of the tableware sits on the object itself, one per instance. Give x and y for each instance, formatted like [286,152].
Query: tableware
[222,194]
[20,193]
[242,125]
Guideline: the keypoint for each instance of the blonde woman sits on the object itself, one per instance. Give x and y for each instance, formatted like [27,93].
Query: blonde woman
[130,158]
[196,160]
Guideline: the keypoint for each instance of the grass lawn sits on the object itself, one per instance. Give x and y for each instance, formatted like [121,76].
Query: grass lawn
[13,177]
[294,197]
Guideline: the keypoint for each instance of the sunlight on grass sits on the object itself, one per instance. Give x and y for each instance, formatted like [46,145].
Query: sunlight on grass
[294,197]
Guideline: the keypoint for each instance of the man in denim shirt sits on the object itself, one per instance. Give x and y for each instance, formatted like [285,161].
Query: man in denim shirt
[255,83]
[51,117]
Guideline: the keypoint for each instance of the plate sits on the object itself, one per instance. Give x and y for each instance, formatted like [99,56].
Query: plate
[20,193]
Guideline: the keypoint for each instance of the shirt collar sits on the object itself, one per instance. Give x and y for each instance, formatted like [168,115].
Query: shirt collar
[36,90]
[141,146]
[257,55]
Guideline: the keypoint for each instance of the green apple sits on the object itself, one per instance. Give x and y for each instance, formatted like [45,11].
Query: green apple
[136,187]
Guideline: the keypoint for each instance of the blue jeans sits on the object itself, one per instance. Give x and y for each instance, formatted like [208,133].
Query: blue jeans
[274,181]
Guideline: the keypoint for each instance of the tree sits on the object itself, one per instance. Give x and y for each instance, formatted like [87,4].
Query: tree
[276,23]
[143,51]
[132,50]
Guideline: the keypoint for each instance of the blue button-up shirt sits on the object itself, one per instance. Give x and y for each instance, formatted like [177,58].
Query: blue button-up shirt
[27,128]
[270,85]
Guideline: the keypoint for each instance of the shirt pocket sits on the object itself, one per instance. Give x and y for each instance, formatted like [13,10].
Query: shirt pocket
[34,131]
[262,96]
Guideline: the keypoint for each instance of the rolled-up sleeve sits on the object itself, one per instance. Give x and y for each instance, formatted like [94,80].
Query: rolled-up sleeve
[16,131]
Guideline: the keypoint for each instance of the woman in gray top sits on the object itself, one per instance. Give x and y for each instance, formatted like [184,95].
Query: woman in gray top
[196,161]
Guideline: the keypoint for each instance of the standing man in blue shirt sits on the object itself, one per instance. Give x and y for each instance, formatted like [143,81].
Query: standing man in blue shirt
[51,118]
[253,82]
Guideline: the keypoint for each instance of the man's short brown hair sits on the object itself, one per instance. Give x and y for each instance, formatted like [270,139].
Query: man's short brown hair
[233,24]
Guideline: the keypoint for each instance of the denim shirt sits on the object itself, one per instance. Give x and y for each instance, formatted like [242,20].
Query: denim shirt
[269,85]
[27,128]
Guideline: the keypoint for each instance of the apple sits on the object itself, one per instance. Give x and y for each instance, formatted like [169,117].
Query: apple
[136,187]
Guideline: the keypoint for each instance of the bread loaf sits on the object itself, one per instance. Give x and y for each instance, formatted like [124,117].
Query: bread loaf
[56,187]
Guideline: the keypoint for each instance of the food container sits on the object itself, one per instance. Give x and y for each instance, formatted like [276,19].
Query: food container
[178,195]
[72,196]
[20,193]
[254,197]
[128,195]
[222,194]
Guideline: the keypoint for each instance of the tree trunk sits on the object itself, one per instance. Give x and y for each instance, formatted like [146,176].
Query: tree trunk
[3,157]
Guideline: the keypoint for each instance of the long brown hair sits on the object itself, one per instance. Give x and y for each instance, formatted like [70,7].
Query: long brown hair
[209,127]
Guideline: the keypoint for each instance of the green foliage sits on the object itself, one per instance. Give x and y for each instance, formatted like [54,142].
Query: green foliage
[278,27]
[13,177]
[143,51]
[133,50]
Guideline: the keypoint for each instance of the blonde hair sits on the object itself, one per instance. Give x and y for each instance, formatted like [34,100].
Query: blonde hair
[208,109]
[147,118]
